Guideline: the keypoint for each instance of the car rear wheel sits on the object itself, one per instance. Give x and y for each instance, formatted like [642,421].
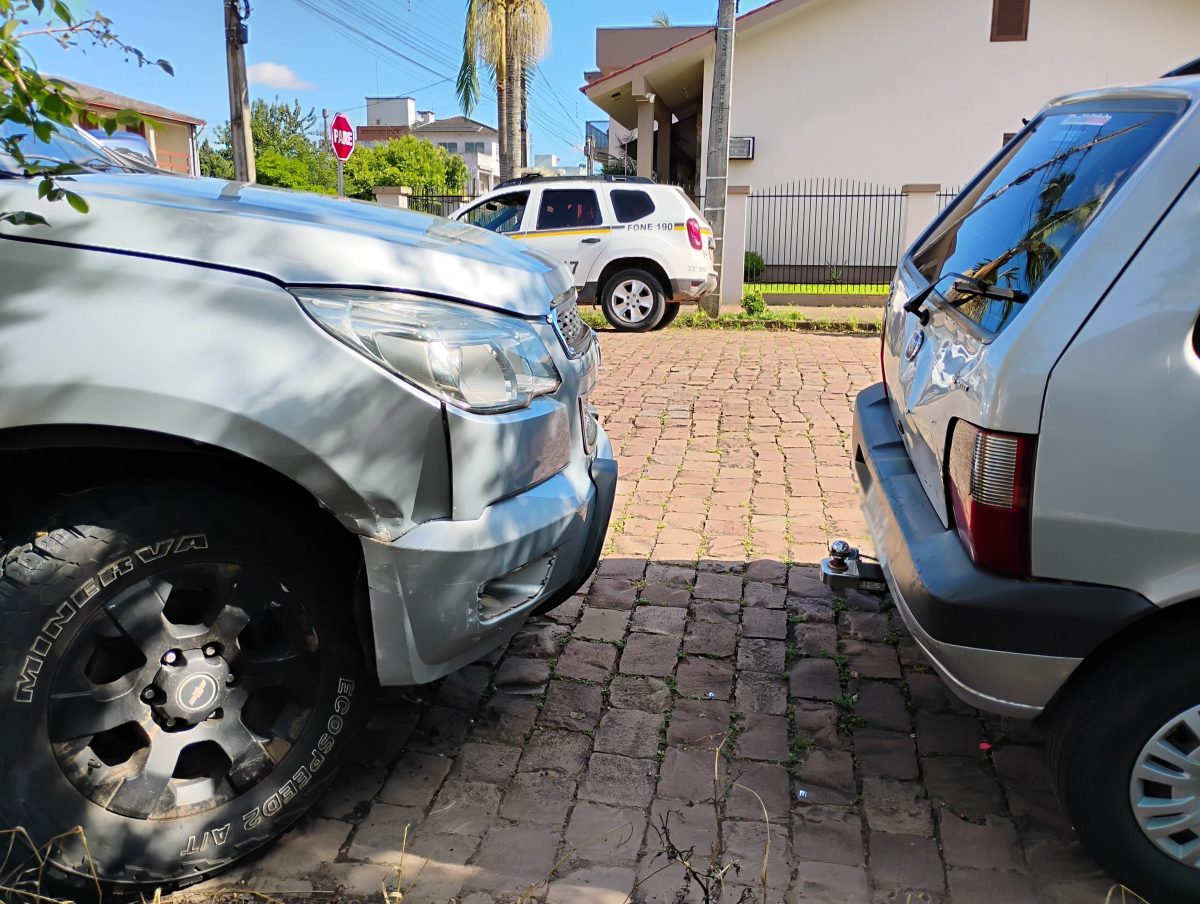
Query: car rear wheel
[669,316]
[633,301]
[1125,751]
[180,680]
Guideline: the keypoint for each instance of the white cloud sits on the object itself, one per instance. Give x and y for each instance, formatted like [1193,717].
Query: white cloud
[275,75]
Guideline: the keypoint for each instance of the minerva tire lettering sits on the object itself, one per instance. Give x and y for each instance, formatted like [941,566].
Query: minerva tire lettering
[66,584]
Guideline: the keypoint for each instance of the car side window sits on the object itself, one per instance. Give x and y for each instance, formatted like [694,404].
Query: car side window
[501,214]
[630,206]
[568,208]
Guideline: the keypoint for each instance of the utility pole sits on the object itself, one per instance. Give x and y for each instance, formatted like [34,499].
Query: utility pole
[717,170]
[589,150]
[237,35]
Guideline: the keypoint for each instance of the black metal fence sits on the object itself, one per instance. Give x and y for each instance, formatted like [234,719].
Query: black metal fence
[438,205]
[824,236]
[945,196]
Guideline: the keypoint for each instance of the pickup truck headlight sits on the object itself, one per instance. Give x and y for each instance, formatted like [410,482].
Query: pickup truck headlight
[472,358]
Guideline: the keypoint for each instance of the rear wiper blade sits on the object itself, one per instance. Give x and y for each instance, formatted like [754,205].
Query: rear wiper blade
[967,285]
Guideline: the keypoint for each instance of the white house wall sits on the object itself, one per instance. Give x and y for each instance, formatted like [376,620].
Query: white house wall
[905,92]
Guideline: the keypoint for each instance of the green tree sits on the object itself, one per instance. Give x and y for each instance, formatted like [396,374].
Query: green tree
[288,152]
[415,162]
[212,163]
[46,105]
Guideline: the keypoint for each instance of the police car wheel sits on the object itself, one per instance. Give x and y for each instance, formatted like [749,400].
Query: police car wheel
[180,680]
[669,315]
[633,301]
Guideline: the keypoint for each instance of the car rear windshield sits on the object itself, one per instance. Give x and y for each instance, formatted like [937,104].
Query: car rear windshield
[1015,226]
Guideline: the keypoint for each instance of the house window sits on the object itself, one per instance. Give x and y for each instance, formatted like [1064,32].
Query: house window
[476,146]
[451,146]
[1010,20]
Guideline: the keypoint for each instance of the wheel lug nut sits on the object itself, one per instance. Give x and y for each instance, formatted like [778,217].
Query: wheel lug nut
[169,722]
[170,657]
[210,650]
[148,694]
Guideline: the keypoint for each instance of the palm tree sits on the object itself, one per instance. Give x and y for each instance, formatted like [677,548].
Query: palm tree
[660,19]
[507,36]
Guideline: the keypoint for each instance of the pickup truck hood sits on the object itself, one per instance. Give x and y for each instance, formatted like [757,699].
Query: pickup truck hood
[291,237]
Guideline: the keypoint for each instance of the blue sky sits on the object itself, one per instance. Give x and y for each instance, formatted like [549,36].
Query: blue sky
[305,58]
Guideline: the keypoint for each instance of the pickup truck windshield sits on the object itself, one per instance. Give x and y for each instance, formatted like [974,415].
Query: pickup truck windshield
[1015,226]
[69,151]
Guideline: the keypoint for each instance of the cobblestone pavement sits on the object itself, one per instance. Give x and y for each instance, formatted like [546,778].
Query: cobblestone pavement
[555,766]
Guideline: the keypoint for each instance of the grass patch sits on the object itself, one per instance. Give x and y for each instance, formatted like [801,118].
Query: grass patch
[776,319]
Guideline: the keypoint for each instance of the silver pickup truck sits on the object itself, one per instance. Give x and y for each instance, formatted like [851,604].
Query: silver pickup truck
[259,452]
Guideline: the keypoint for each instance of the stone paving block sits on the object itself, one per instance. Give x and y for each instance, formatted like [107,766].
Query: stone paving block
[567,613]
[718,587]
[505,719]
[748,843]
[380,835]
[620,780]
[760,655]
[766,571]
[592,885]
[886,754]
[828,835]
[602,624]
[815,638]
[498,871]
[441,730]
[770,623]
[462,808]
[698,723]
[710,638]
[437,865]
[605,834]
[948,734]
[699,677]
[463,689]
[758,594]
[906,863]
[633,692]
[1062,860]
[769,781]
[869,626]
[385,735]
[930,694]
[1037,814]
[541,797]
[761,692]
[882,705]
[812,612]
[964,785]
[687,826]
[1023,766]
[351,791]
[491,763]
[571,706]
[805,581]
[649,654]
[415,780]
[523,676]
[666,595]
[862,602]
[563,752]
[659,620]
[985,886]
[716,612]
[291,858]
[829,883]
[670,576]
[815,679]
[688,775]
[629,732]
[872,660]
[897,807]
[993,845]
[586,661]
[612,593]
[539,639]
[818,722]
[763,737]
[827,776]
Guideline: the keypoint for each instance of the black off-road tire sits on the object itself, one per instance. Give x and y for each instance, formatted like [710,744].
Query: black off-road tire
[256,602]
[669,315]
[1097,734]
[633,301]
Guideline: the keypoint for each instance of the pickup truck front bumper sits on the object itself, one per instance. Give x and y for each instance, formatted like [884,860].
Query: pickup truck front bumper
[1002,644]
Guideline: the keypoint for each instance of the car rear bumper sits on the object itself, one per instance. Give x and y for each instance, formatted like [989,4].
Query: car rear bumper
[449,591]
[693,288]
[1003,644]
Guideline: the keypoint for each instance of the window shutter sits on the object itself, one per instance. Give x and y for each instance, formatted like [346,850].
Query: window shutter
[1010,20]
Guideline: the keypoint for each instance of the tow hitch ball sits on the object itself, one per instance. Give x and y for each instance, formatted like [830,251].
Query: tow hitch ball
[844,569]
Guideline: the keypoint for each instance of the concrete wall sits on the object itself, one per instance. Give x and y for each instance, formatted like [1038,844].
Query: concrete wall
[391,111]
[172,146]
[892,93]
[617,48]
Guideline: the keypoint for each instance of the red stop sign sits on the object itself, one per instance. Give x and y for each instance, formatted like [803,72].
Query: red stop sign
[341,136]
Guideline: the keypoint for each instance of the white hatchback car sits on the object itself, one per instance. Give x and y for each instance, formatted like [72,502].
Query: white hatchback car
[1027,462]
[639,248]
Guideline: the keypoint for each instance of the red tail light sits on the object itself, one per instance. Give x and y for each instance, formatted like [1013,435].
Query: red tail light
[990,486]
[694,236]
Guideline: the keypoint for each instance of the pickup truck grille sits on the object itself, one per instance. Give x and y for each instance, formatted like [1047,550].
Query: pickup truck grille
[576,335]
